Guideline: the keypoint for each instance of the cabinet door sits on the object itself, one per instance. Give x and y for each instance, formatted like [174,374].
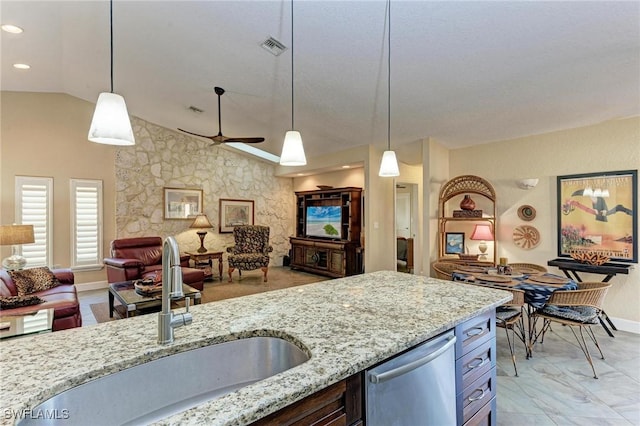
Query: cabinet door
[298,255]
[316,258]
[337,262]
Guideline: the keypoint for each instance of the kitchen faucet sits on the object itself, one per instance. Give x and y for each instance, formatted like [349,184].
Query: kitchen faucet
[171,289]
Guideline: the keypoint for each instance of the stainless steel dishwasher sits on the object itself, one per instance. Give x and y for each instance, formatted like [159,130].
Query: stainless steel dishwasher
[416,388]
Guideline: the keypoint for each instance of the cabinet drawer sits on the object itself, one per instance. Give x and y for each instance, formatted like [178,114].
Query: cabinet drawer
[474,332]
[486,416]
[474,364]
[476,395]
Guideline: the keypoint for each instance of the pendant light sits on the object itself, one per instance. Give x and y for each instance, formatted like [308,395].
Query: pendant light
[389,163]
[110,124]
[292,149]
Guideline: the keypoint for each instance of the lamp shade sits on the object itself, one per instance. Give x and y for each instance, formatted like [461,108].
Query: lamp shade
[292,150]
[110,124]
[482,232]
[16,234]
[201,222]
[389,165]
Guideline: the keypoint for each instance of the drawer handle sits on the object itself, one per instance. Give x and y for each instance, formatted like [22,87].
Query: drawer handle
[478,398]
[475,331]
[473,365]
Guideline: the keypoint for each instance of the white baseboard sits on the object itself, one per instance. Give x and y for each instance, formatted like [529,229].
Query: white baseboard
[626,325]
[96,285]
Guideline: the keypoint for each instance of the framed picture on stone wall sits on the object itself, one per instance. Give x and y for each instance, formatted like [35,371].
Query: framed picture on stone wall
[182,203]
[234,213]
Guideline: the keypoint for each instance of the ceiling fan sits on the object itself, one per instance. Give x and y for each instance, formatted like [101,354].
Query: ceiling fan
[219,138]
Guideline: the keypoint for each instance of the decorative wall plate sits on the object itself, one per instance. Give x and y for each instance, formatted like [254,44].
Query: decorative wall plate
[526,237]
[526,213]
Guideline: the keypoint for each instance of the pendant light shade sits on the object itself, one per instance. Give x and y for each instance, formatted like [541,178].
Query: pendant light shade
[389,163]
[111,124]
[292,148]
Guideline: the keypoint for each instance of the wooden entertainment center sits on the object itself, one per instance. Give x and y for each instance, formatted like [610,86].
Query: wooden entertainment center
[330,246]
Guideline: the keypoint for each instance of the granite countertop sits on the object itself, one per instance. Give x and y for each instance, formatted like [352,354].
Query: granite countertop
[347,324]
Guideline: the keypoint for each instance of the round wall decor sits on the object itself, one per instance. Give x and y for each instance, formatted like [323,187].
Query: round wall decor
[526,237]
[526,213]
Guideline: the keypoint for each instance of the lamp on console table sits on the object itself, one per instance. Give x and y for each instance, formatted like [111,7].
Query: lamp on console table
[14,235]
[201,222]
[482,233]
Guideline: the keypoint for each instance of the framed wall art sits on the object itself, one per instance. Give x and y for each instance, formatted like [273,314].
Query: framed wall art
[454,243]
[233,213]
[181,203]
[597,213]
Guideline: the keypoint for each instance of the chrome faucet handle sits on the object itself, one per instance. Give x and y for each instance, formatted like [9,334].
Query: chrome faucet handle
[187,302]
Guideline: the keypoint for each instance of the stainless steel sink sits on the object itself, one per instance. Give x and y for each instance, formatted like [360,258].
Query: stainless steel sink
[160,388]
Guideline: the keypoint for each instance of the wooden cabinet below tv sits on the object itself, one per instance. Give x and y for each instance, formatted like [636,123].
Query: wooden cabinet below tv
[332,258]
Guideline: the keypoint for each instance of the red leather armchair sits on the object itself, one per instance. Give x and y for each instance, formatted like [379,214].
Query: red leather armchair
[138,258]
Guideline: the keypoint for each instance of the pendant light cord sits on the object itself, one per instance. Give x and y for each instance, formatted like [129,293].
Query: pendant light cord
[389,78]
[292,104]
[111,38]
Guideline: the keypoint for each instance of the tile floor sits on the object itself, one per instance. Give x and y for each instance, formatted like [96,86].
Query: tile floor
[556,386]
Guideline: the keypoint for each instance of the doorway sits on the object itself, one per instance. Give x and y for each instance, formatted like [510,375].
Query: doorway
[406,225]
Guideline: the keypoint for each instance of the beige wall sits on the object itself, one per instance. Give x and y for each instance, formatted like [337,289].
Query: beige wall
[45,134]
[613,145]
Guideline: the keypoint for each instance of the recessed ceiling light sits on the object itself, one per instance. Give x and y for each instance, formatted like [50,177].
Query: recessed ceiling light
[300,174]
[11,29]
[346,166]
[22,66]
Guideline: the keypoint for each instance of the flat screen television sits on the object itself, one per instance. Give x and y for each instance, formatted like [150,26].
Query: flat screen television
[324,221]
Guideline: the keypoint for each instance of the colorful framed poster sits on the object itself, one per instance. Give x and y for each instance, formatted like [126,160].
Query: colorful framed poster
[454,243]
[597,213]
[181,203]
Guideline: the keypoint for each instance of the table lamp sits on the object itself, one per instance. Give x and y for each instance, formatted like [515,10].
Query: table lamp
[14,235]
[482,233]
[201,222]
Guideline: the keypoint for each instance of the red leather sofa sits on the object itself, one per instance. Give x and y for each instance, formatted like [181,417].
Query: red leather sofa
[139,258]
[63,299]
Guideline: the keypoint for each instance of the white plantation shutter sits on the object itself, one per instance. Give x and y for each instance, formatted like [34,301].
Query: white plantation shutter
[34,197]
[86,224]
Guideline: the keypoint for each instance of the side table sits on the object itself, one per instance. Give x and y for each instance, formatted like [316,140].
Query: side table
[205,261]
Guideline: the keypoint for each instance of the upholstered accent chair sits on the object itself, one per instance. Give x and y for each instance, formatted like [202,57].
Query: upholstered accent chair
[251,250]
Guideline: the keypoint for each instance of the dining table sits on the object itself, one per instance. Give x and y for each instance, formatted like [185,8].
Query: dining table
[537,286]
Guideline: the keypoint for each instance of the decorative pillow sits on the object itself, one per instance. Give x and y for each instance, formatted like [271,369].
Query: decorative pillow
[19,301]
[32,280]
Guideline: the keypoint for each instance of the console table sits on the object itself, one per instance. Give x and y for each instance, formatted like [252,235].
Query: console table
[610,270]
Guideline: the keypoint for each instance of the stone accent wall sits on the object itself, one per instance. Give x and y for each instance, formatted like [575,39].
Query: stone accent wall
[166,158]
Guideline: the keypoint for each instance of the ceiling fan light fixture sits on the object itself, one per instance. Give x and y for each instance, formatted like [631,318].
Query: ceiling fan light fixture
[292,150]
[389,165]
[110,124]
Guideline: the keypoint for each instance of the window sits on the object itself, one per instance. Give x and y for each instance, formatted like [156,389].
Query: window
[33,207]
[86,224]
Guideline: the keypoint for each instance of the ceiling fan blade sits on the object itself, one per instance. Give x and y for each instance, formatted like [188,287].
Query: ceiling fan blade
[243,140]
[196,134]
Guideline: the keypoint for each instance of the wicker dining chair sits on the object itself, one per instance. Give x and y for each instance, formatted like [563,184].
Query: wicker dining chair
[444,270]
[539,268]
[574,308]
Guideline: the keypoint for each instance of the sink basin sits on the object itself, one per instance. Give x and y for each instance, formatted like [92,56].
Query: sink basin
[166,386]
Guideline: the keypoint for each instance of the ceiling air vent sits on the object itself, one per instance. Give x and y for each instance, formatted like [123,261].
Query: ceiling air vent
[274,46]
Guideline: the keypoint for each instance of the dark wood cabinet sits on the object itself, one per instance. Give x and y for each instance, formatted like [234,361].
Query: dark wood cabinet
[476,370]
[331,249]
[339,404]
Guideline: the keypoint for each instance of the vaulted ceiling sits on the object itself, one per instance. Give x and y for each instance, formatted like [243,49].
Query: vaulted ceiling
[461,72]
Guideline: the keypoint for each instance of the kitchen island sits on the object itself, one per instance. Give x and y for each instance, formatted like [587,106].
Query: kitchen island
[346,325]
